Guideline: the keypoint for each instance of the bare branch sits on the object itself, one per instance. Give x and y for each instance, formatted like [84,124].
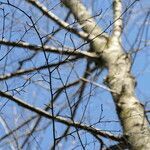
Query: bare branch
[62,51]
[7,130]
[88,24]
[22,72]
[55,18]
[17,128]
[98,85]
[59,118]
[83,16]
[117,29]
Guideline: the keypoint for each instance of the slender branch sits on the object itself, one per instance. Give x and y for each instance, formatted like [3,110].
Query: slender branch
[62,51]
[55,18]
[88,24]
[59,118]
[17,128]
[98,85]
[86,21]
[118,146]
[117,29]
[37,116]
[7,130]
[22,72]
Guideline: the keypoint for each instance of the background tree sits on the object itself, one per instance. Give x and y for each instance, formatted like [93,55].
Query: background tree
[66,74]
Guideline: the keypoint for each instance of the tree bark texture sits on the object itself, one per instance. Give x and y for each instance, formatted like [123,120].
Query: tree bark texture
[120,79]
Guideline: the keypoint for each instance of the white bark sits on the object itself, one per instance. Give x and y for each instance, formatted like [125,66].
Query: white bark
[130,111]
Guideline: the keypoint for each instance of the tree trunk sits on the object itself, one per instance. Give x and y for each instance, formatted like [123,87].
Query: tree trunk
[120,80]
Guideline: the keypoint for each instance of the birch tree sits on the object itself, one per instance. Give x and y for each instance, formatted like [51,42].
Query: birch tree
[56,57]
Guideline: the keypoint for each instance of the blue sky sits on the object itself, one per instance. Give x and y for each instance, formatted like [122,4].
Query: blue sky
[100,99]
